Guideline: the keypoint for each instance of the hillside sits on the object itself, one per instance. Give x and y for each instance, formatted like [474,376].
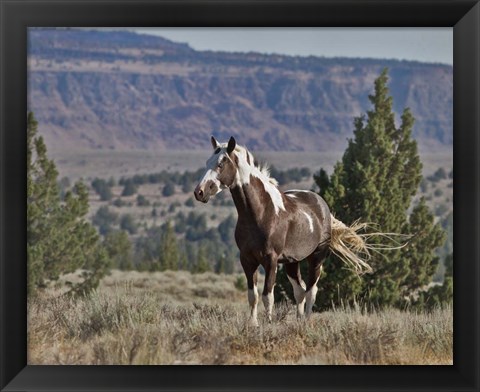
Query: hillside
[127,91]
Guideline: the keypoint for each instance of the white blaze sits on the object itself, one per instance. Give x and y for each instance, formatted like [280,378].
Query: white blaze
[211,173]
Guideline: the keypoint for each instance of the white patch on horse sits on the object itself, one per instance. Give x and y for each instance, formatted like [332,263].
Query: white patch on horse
[253,301]
[297,190]
[310,220]
[245,171]
[299,294]
[310,297]
[275,195]
[250,158]
[268,303]
[290,195]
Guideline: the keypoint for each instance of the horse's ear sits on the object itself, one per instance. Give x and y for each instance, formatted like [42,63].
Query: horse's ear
[231,145]
[214,142]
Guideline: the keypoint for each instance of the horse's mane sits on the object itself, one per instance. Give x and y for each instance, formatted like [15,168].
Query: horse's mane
[262,170]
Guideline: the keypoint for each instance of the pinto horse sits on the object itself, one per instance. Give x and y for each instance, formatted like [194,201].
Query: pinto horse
[276,227]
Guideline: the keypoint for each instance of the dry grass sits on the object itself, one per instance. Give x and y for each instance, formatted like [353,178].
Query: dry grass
[178,318]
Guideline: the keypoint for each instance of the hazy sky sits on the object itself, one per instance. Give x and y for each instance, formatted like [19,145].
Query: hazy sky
[422,44]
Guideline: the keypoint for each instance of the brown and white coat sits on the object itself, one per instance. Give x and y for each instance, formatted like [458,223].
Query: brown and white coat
[273,227]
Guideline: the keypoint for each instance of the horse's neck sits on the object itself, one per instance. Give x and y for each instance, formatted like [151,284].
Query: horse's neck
[248,201]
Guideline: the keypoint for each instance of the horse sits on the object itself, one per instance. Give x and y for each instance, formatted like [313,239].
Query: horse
[276,227]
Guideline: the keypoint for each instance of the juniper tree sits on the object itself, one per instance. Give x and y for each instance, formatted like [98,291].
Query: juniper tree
[59,239]
[437,295]
[375,182]
[168,248]
[202,264]
[119,249]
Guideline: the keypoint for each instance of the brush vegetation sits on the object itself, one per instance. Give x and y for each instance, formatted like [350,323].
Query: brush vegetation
[176,317]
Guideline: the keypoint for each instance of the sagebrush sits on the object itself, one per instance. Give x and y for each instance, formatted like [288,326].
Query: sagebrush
[179,318]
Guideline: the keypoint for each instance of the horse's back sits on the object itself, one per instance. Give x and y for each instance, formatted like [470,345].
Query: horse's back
[311,200]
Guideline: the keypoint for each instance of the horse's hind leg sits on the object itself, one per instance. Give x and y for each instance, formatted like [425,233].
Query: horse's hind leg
[315,261]
[295,278]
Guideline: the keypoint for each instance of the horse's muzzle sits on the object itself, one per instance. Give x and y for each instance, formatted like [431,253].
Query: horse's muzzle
[200,194]
[203,192]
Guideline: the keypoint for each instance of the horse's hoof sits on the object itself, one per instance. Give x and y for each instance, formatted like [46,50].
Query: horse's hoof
[253,323]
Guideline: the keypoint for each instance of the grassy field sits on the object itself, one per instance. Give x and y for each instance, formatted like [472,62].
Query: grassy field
[179,318]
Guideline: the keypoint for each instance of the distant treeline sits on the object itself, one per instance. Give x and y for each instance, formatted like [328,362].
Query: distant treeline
[185,180]
[184,243]
[189,177]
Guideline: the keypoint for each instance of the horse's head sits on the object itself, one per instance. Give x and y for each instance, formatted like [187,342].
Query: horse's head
[221,171]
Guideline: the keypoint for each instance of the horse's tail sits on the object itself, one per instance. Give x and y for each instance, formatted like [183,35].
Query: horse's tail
[350,244]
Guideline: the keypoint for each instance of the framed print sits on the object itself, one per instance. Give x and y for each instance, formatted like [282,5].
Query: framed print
[148,204]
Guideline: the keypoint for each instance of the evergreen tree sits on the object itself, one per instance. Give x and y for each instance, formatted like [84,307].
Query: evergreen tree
[104,218]
[220,265]
[142,201]
[168,249]
[375,182]
[59,239]
[437,295]
[129,188]
[127,223]
[168,189]
[202,264]
[102,188]
[119,249]
[426,238]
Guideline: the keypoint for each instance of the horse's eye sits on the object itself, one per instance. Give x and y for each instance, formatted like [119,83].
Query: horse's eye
[220,165]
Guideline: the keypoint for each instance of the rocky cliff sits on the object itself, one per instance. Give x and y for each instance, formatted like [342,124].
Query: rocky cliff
[121,90]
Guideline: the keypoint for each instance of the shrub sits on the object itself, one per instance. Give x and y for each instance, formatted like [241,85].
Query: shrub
[424,185]
[118,202]
[168,189]
[104,219]
[129,188]
[190,202]
[241,283]
[440,174]
[102,188]
[142,201]
[127,223]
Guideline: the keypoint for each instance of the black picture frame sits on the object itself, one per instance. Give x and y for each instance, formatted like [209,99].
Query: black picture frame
[17,15]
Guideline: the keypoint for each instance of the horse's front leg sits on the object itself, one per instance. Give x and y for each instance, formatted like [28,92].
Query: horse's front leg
[270,267]
[250,268]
